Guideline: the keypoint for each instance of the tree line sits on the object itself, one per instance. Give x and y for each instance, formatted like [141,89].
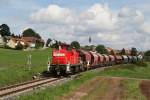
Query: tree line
[5,31]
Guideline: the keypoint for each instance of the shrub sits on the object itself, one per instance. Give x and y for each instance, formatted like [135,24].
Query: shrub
[141,64]
[38,45]
[19,46]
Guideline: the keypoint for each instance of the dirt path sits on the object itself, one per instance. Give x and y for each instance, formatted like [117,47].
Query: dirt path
[82,91]
[111,88]
[145,88]
[112,91]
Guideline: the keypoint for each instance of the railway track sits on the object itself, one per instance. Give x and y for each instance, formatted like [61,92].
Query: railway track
[13,90]
[19,88]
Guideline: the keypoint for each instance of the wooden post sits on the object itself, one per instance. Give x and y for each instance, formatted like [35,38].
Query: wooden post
[29,62]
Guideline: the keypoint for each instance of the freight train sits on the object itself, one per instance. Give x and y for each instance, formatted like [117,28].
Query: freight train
[69,61]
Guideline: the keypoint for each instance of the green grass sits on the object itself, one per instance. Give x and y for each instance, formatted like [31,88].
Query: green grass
[131,90]
[130,70]
[13,65]
[53,93]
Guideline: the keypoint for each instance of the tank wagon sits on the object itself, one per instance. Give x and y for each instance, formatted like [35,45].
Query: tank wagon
[125,59]
[70,61]
[106,60]
[130,60]
[134,59]
[100,60]
[118,59]
[111,60]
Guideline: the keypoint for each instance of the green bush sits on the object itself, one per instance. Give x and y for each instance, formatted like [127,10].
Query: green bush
[19,46]
[141,64]
[39,45]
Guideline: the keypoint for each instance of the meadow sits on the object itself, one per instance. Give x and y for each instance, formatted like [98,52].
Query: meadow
[14,68]
[131,89]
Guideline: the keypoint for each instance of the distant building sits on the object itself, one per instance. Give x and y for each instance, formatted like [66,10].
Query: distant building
[13,42]
[110,51]
[24,41]
[31,41]
[1,41]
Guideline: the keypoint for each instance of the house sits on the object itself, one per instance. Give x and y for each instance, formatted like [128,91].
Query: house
[1,40]
[110,51]
[31,41]
[13,42]
[24,41]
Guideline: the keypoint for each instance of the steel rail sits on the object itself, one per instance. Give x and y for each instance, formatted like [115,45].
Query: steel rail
[6,91]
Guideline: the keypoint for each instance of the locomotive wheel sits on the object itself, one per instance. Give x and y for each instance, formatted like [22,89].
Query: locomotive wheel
[77,69]
[73,70]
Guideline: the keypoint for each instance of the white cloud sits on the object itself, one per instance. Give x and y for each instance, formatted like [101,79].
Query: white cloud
[53,13]
[146,27]
[98,17]
[123,28]
[107,37]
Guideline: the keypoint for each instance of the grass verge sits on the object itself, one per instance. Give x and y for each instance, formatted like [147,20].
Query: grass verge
[131,90]
[13,65]
[129,70]
[53,93]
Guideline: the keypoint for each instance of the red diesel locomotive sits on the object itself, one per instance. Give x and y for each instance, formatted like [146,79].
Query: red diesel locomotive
[66,61]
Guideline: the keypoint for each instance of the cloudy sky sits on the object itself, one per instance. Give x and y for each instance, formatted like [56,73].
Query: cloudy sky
[114,23]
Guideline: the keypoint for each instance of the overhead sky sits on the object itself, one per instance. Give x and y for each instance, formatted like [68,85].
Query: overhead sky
[114,23]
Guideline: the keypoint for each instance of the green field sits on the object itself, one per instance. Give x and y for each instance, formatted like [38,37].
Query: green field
[131,89]
[139,70]
[13,65]
[14,69]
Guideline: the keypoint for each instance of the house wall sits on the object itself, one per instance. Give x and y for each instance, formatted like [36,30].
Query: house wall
[11,44]
[1,41]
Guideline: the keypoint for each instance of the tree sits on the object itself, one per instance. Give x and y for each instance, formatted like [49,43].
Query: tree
[55,45]
[39,44]
[30,33]
[123,52]
[4,30]
[48,42]
[147,53]
[101,49]
[75,44]
[19,46]
[133,51]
